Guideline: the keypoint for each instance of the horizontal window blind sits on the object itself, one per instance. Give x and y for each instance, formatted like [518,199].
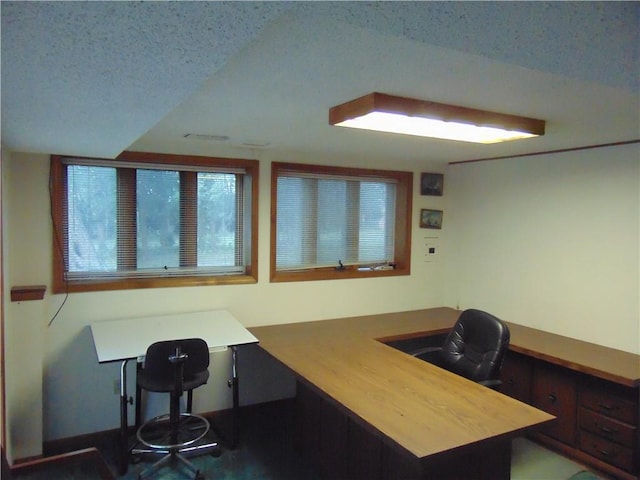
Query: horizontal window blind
[124,222]
[323,220]
[91,220]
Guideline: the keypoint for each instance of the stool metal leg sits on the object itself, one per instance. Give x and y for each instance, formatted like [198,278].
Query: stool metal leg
[151,470]
[189,401]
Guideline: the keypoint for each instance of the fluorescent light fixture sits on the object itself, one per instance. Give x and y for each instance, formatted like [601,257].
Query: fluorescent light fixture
[387,113]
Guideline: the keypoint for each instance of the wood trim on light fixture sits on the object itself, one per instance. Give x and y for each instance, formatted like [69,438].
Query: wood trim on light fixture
[381,102]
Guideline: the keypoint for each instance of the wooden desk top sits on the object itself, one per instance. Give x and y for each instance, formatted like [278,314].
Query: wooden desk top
[602,362]
[423,408]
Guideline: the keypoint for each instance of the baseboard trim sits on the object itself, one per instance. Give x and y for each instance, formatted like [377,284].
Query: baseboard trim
[599,467]
[91,455]
[96,439]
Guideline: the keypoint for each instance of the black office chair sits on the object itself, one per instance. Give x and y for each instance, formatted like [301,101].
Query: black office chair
[173,367]
[474,348]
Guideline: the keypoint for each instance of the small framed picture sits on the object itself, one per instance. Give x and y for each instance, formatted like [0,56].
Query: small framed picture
[431,184]
[430,218]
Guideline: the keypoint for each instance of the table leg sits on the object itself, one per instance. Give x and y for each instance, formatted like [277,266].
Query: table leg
[138,411]
[236,403]
[123,440]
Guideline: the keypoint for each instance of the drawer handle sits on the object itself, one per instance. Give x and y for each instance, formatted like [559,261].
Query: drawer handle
[606,453]
[608,430]
[552,397]
[604,406]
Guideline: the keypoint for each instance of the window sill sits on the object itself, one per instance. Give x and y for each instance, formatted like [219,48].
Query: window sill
[137,283]
[333,274]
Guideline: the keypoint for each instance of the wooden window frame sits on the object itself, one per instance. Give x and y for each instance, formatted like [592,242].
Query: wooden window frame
[402,227]
[58,208]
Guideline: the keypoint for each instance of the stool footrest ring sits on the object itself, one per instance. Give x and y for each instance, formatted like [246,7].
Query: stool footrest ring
[157,433]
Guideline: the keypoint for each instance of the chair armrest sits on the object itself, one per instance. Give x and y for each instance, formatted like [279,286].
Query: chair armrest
[494,384]
[424,351]
[428,354]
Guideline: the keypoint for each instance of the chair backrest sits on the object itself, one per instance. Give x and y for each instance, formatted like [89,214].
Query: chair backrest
[157,364]
[476,345]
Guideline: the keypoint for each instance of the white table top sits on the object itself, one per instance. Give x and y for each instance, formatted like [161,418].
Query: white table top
[126,339]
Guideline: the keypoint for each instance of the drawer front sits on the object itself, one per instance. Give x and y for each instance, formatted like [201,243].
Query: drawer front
[607,451]
[609,428]
[555,392]
[611,405]
[516,377]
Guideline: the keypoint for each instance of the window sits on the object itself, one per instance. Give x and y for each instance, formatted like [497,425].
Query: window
[331,222]
[152,220]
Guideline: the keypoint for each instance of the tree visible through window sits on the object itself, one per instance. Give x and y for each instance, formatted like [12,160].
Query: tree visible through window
[150,220]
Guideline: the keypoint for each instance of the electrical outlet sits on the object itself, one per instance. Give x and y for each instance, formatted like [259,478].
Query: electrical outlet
[116,387]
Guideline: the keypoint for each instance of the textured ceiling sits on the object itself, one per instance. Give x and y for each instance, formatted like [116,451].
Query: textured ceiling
[96,78]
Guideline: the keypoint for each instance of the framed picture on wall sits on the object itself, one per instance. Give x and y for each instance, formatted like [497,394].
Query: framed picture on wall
[431,184]
[430,218]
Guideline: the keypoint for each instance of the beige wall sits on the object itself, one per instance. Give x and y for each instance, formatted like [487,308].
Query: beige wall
[550,241]
[53,369]
[25,323]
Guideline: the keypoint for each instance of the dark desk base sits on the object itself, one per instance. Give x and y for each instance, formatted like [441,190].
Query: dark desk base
[342,446]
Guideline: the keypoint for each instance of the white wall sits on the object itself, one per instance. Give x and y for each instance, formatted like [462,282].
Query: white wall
[53,369]
[550,242]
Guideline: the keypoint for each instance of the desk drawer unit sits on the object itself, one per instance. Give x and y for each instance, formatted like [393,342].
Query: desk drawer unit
[608,424]
[607,451]
[606,427]
[516,375]
[554,391]
[612,405]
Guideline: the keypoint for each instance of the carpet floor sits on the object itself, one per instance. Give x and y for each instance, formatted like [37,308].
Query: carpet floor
[266,451]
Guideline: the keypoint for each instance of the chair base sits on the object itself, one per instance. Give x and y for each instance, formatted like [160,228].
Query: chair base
[171,457]
[174,443]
